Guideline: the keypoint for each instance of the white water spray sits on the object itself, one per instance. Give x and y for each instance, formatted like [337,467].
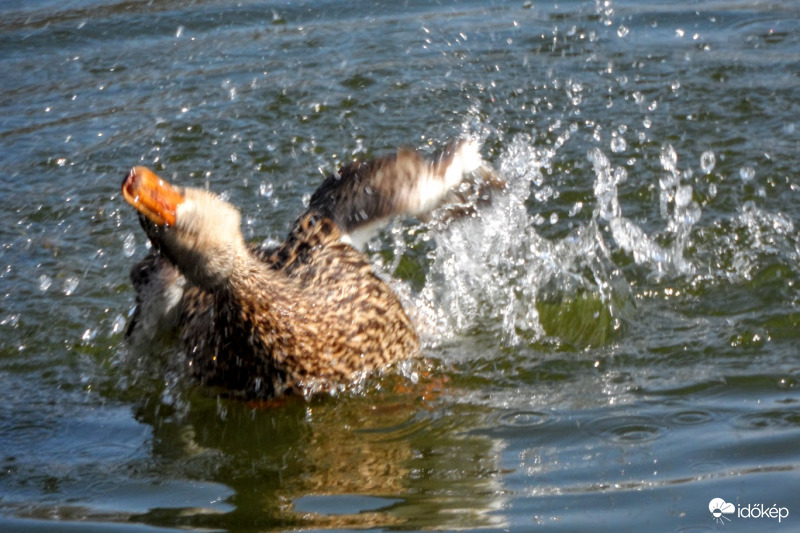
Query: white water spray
[497,272]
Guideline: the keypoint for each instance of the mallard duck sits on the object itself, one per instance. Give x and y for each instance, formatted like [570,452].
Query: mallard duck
[308,316]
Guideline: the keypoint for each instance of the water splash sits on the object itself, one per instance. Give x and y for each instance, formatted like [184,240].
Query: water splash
[497,272]
[676,207]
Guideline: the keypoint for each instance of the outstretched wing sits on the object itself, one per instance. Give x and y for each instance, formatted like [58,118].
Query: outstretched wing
[364,196]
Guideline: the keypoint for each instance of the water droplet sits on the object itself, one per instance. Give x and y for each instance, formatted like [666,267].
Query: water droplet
[712,190]
[684,196]
[118,325]
[618,144]
[747,174]
[179,32]
[45,282]
[576,208]
[554,218]
[599,159]
[10,320]
[707,161]
[669,158]
[623,31]
[266,190]
[129,245]
[70,284]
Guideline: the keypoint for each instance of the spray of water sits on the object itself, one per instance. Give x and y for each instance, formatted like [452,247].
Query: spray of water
[496,272]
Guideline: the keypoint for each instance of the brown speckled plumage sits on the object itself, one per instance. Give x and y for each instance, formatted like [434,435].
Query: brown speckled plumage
[308,316]
[302,322]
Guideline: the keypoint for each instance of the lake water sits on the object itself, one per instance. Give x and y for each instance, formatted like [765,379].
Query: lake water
[611,345]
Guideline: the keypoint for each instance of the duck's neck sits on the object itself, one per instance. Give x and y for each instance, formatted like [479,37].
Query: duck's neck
[247,277]
[212,268]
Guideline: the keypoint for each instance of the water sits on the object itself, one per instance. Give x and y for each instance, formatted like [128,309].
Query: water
[611,344]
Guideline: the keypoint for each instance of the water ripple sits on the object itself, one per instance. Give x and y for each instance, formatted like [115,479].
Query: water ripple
[525,419]
[691,417]
[627,429]
[771,419]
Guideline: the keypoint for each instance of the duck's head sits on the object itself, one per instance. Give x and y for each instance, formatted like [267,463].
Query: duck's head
[195,229]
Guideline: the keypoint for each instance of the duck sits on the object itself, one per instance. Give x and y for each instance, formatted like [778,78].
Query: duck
[307,316]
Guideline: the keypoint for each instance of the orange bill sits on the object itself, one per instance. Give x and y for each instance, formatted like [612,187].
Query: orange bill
[151,196]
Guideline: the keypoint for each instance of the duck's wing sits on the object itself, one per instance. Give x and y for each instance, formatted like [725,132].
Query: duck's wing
[364,196]
[159,294]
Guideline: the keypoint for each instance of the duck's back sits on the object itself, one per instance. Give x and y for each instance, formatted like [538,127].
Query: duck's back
[338,321]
